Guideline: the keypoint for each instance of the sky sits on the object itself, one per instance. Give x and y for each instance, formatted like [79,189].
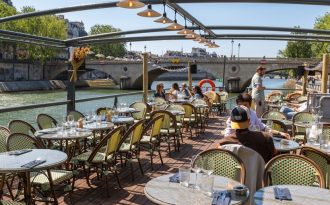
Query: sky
[247,14]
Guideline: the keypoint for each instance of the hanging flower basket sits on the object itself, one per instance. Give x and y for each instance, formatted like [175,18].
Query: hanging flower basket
[79,56]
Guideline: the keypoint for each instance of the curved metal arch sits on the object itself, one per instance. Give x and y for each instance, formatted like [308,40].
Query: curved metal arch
[222,36]
[218,27]
[113,4]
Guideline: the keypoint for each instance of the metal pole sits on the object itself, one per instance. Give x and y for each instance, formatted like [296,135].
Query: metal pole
[189,76]
[71,95]
[325,72]
[145,77]
[239,47]
[305,82]
[232,49]
[224,71]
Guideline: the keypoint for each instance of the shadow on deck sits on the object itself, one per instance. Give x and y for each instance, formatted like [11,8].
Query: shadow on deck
[132,192]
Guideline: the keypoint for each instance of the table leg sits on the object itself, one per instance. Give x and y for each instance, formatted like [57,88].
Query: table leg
[2,181]
[27,191]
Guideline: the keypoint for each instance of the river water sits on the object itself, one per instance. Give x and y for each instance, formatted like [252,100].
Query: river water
[37,97]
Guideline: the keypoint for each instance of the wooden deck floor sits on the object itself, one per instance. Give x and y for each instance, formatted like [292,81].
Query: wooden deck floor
[132,192]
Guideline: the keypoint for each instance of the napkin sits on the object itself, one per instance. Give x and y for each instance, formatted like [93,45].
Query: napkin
[175,178]
[221,198]
[33,163]
[282,193]
[19,152]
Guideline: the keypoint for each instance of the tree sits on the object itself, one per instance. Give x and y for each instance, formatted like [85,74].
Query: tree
[46,26]
[319,48]
[297,49]
[109,49]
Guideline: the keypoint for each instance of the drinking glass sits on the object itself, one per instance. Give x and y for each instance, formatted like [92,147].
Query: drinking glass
[207,182]
[195,167]
[320,115]
[184,173]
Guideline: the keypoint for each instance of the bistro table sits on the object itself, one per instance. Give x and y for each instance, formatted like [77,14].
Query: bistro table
[285,147]
[300,195]
[65,135]
[127,111]
[161,191]
[99,127]
[13,164]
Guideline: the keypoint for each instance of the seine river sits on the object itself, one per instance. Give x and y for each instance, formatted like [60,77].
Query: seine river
[36,97]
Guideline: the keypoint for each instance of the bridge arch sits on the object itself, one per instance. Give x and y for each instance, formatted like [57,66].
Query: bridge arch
[247,83]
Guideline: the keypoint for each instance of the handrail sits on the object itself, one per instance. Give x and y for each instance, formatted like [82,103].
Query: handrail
[41,105]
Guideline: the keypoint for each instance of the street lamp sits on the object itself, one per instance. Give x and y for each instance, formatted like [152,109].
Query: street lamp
[239,47]
[145,48]
[232,49]
[130,46]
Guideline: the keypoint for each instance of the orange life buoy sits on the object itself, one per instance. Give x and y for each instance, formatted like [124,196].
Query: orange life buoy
[201,83]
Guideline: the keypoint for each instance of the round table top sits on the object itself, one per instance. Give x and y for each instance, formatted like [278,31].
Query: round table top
[161,191]
[81,133]
[303,124]
[285,147]
[176,112]
[103,126]
[299,194]
[122,120]
[127,110]
[12,163]
[200,105]
[326,151]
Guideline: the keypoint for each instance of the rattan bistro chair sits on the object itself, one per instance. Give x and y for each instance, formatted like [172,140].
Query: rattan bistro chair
[130,148]
[4,133]
[150,140]
[102,110]
[41,180]
[142,108]
[102,158]
[46,121]
[225,163]
[273,115]
[320,158]
[76,115]
[20,126]
[290,169]
[299,133]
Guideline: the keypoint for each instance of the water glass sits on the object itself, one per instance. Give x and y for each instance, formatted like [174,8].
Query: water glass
[98,120]
[184,173]
[59,129]
[196,168]
[206,185]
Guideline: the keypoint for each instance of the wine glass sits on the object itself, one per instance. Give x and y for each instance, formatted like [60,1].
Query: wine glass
[195,167]
[320,115]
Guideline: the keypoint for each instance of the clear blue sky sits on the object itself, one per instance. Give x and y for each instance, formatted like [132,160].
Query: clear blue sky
[284,15]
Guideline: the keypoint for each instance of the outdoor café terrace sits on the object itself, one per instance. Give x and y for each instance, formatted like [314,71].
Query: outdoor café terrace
[165,151]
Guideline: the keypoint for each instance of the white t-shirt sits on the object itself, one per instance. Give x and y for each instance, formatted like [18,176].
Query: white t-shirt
[174,95]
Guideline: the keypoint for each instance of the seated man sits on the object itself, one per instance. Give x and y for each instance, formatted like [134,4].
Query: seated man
[289,112]
[260,142]
[245,99]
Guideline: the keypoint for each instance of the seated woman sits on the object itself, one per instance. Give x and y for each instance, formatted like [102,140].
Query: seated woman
[185,91]
[159,91]
[174,92]
[198,94]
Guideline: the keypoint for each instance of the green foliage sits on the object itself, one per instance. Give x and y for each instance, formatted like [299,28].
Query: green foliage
[319,48]
[46,26]
[114,49]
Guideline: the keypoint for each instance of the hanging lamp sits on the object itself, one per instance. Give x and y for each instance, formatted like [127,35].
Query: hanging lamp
[185,31]
[163,19]
[175,25]
[130,4]
[149,12]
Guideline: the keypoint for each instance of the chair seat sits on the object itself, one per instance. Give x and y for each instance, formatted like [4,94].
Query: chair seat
[146,139]
[125,147]
[58,176]
[98,158]
[167,131]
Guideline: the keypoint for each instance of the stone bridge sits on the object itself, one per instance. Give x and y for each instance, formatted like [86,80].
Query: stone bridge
[238,72]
